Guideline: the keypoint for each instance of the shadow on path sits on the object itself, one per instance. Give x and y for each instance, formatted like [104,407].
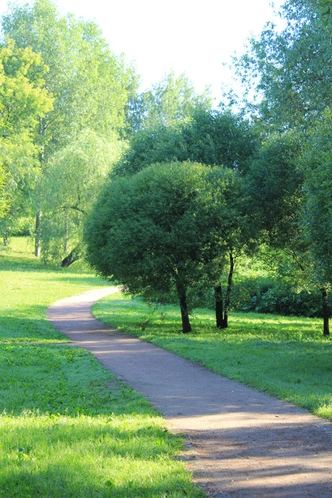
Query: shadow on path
[241,443]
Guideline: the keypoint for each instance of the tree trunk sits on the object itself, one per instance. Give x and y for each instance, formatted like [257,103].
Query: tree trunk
[42,129]
[6,238]
[73,256]
[325,312]
[219,306]
[38,234]
[66,239]
[182,295]
[229,290]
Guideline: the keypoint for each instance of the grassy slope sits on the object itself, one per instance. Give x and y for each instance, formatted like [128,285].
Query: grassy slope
[287,357]
[68,428]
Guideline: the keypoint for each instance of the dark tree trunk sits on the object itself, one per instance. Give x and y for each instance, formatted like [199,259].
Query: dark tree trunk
[219,306]
[325,312]
[182,295]
[73,256]
[229,290]
[38,234]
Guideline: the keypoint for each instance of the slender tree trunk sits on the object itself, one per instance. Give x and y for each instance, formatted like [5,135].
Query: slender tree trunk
[182,295]
[229,290]
[42,129]
[6,238]
[219,306]
[73,256]
[325,311]
[38,234]
[66,240]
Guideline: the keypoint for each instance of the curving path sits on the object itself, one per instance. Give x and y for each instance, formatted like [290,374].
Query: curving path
[240,443]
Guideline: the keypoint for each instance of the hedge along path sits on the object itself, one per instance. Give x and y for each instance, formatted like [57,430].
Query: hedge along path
[240,443]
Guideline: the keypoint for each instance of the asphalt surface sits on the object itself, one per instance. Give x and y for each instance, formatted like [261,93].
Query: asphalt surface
[239,442]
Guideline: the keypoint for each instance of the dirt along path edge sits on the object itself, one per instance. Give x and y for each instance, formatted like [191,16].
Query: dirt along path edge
[241,443]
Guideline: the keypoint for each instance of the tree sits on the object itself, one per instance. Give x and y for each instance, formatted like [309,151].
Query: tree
[220,138]
[91,86]
[171,101]
[234,227]
[70,185]
[24,100]
[209,137]
[289,70]
[318,207]
[288,185]
[213,138]
[274,183]
[156,231]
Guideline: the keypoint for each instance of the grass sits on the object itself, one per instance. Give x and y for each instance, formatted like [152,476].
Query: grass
[68,428]
[286,357]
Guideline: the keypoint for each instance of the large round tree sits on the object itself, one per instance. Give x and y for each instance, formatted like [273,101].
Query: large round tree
[161,230]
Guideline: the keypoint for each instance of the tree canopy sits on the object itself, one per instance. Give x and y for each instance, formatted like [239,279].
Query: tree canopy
[209,137]
[288,71]
[164,229]
[24,100]
[90,87]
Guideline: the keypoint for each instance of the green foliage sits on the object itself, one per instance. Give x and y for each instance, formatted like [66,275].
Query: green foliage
[70,185]
[171,101]
[23,102]
[151,146]
[3,196]
[267,295]
[286,357]
[208,137]
[275,187]
[318,187]
[89,83]
[90,86]
[289,70]
[169,226]
[220,138]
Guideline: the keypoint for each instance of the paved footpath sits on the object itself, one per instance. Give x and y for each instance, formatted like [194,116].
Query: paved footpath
[240,443]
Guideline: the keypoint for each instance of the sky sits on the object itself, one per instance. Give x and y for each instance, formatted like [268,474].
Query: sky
[195,37]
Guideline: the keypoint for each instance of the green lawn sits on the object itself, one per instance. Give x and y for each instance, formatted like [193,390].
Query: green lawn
[68,428]
[287,357]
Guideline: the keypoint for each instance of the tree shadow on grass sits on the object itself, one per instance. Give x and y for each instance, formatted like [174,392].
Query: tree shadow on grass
[60,379]
[19,328]
[94,472]
[58,482]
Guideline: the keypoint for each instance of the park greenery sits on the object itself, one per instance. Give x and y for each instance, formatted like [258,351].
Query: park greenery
[223,213]
[86,159]
[160,189]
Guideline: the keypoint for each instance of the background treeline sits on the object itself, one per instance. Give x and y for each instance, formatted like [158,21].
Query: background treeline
[179,200]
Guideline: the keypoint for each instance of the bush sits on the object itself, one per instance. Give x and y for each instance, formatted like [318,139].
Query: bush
[266,295]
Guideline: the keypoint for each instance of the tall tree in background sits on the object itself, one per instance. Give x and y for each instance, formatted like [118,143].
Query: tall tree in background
[290,70]
[90,85]
[317,217]
[24,100]
[274,183]
[208,136]
[69,186]
[171,101]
